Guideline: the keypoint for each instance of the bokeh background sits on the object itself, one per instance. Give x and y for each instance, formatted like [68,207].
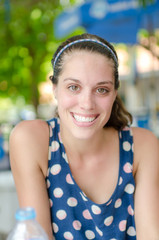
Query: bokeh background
[28,39]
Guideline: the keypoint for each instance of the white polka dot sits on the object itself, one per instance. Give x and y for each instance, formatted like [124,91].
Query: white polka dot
[48,172]
[72,202]
[51,202]
[86,214]
[99,231]
[54,146]
[130,210]
[61,214]
[133,147]
[49,154]
[108,221]
[52,124]
[118,203]
[131,132]
[126,146]
[55,227]
[50,131]
[55,169]
[122,225]
[89,234]
[68,235]
[120,180]
[69,179]
[58,192]
[127,168]
[96,210]
[83,196]
[48,183]
[65,157]
[131,231]
[107,204]
[129,188]
[59,135]
[77,225]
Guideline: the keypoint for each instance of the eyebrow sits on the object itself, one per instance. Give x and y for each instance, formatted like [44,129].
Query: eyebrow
[105,82]
[99,83]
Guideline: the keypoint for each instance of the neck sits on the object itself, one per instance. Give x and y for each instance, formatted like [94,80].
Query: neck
[82,148]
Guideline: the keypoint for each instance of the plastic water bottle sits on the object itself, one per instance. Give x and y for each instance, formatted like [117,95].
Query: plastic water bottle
[26,226]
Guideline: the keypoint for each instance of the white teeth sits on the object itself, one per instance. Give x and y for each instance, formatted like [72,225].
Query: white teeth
[83,119]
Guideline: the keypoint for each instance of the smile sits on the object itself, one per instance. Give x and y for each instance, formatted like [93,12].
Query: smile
[83,119]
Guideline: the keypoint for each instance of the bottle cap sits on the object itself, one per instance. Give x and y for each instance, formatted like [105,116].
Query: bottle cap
[25,214]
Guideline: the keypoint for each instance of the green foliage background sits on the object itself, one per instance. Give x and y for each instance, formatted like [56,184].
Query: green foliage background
[27,44]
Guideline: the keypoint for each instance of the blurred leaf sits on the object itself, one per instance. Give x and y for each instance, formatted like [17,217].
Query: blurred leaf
[27,44]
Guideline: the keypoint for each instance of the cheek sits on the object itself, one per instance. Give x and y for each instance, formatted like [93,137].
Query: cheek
[107,104]
[65,101]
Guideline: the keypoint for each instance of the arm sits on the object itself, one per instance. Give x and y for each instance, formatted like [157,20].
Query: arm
[29,142]
[146,161]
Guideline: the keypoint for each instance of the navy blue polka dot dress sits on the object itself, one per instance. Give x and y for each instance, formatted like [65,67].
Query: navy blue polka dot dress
[73,214]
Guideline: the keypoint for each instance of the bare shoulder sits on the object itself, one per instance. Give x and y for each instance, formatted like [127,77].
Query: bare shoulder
[144,137]
[33,128]
[146,147]
[29,141]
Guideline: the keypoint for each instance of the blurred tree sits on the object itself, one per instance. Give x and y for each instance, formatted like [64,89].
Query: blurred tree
[26,45]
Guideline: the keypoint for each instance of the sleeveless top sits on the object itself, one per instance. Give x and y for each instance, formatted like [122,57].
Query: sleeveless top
[73,214]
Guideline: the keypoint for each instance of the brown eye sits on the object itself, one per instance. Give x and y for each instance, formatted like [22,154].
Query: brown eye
[73,88]
[102,90]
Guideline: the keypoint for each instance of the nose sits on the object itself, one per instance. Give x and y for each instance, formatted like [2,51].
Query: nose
[86,100]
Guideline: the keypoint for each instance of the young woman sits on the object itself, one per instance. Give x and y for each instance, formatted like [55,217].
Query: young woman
[88,174]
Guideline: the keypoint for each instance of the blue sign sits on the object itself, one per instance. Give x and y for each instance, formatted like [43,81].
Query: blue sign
[115,20]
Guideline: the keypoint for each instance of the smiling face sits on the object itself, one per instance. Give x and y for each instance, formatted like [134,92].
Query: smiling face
[85,94]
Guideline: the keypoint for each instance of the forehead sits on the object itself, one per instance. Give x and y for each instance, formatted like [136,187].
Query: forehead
[87,66]
[80,54]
